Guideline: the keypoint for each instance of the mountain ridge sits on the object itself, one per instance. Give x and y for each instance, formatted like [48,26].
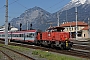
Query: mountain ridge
[41,19]
[36,15]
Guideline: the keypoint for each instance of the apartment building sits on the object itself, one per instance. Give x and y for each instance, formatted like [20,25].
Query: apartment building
[82,29]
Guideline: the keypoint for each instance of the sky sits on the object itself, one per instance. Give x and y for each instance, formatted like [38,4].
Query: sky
[17,7]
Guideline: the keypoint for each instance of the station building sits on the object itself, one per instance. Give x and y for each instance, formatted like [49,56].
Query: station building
[82,29]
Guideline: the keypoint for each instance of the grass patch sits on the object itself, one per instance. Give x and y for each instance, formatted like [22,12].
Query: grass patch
[51,56]
[42,54]
[2,44]
[19,48]
[0,56]
[16,47]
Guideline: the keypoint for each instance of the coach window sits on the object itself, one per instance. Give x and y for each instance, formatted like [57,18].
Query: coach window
[21,35]
[0,35]
[3,35]
[16,35]
[8,35]
[31,35]
[13,35]
[27,34]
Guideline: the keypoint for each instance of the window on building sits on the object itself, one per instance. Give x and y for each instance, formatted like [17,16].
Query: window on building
[75,28]
[84,35]
[72,28]
[67,29]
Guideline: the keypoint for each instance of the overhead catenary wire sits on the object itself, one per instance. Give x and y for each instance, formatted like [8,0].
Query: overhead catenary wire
[55,4]
[9,4]
[60,6]
[21,5]
[13,2]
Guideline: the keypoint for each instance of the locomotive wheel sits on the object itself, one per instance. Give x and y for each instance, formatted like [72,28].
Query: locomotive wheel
[62,47]
[52,46]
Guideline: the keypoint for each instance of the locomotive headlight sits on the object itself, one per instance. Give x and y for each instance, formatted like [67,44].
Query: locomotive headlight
[66,43]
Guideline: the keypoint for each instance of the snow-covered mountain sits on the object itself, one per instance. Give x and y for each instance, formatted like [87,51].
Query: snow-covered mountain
[67,13]
[80,1]
[75,3]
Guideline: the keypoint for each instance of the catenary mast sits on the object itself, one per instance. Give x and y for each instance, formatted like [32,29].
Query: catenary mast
[6,24]
[89,27]
[58,19]
[76,21]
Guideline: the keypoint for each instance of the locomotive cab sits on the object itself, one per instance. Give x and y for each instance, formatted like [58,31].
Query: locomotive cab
[60,38]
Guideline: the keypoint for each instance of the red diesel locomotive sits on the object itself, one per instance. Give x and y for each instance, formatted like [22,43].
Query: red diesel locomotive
[54,37]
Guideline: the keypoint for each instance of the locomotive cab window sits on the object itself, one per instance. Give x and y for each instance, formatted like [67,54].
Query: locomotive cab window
[30,35]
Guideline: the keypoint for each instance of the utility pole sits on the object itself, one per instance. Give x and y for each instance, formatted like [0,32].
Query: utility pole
[76,21]
[66,16]
[58,19]
[27,24]
[70,30]
[6,24]
[89,27]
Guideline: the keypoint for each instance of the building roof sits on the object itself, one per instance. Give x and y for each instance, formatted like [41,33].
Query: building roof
[79,23]
[85,28]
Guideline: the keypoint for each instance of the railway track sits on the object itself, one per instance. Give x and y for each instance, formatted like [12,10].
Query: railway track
[73,52]
[8,57]
[83,45]
[14,55]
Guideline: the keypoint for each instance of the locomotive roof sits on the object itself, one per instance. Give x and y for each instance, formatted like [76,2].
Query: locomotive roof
[56,28]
